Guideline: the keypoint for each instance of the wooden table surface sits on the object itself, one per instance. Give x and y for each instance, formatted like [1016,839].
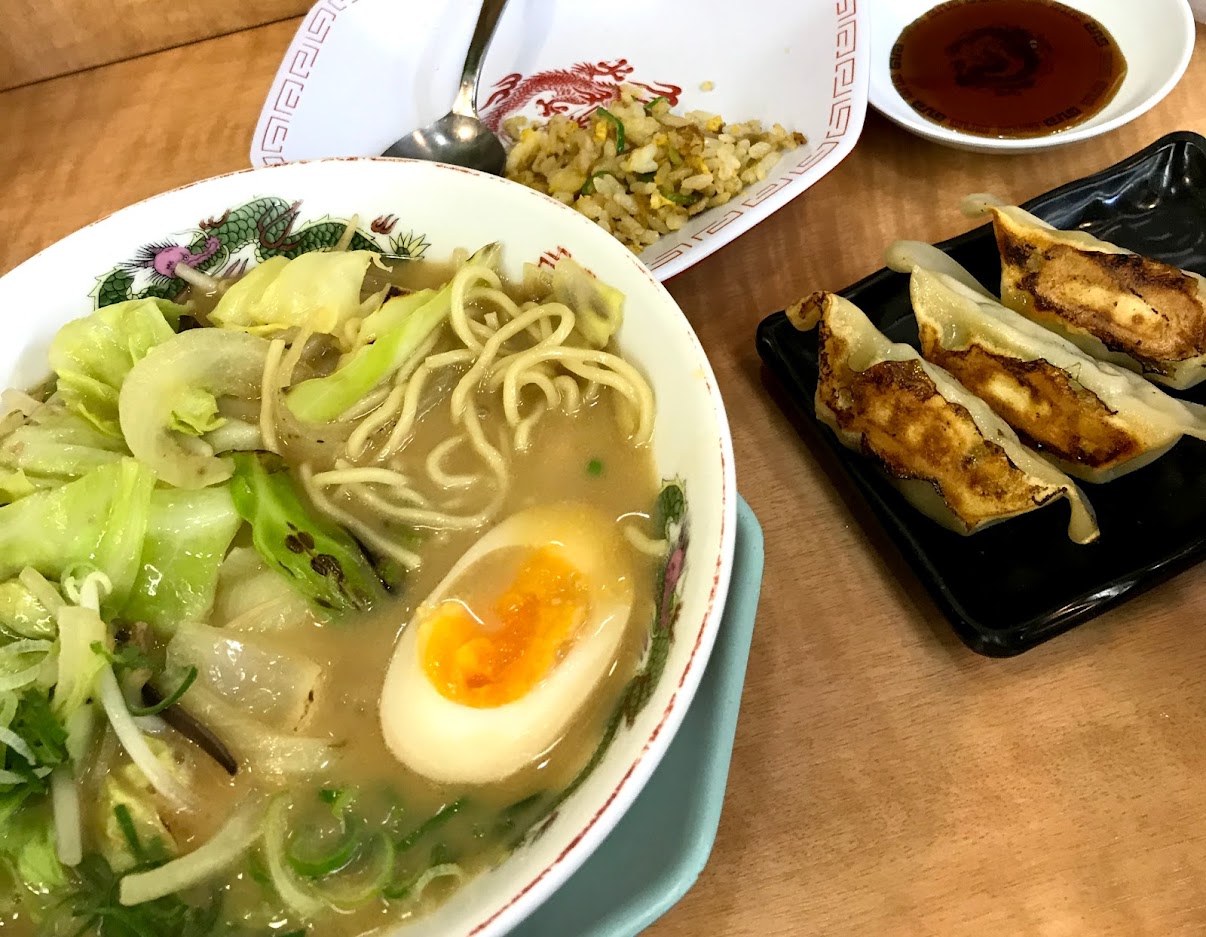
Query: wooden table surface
[885,780]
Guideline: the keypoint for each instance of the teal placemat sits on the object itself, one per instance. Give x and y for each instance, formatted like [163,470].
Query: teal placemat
[656,852]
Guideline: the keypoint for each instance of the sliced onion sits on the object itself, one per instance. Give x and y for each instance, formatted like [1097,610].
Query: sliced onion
[68,827]
[276,830]
[349,895]
[22,678]
[234,839]
[448,869]
[136,747]
[11,652]
[27,646]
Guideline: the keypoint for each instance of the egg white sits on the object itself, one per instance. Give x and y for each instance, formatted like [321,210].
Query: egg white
[458,744]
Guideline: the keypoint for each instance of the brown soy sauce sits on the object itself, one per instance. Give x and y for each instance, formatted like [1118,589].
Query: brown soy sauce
[1006,68]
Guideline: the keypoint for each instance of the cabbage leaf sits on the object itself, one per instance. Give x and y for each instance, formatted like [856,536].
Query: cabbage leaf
[196,413]
[26,836]
[56,446]
[14,485]
[318,291]
[185,375]
[187,535]
[93,355]
[402,325]
[126,787]
[27,847]
[22,614]
[98,520]
[254,599]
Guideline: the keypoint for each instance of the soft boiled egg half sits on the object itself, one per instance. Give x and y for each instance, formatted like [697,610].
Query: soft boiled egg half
[499,659]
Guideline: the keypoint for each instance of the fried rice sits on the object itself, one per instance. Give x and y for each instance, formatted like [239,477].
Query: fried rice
[638,169]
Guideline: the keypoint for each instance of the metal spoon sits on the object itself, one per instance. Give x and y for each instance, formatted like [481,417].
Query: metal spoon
[459,137]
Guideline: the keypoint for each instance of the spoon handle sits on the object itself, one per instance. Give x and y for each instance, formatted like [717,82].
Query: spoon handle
[487,21]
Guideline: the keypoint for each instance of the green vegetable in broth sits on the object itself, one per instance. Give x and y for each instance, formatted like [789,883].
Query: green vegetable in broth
[312,863]
[99,520]
[93,906]
[56,446]
[171,699]
[364,879]
[187,536]
[22,614]
[320,559]
[33,740]
[318,292]
[126,658]
[196,414]
[598,308]
[401,326]
[431,824]
[133,833]
[394,333]
[14,485]
[168,382]
[34,743]
[93,355]
[252,594]
[27,851]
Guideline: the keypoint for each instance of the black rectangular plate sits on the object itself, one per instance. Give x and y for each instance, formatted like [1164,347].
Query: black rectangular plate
[1019,583]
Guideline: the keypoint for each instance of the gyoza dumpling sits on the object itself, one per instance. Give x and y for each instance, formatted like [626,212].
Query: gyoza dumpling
[953,458]
[1116,305]
[1096,421]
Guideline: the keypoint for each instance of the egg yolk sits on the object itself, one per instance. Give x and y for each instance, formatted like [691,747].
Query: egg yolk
[489,660]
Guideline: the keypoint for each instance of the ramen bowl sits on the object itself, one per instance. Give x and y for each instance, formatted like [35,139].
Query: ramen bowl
[427,210]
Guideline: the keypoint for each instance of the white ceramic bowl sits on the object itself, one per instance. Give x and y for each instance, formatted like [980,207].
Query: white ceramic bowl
[230,216]
[360,73]
[1155,36]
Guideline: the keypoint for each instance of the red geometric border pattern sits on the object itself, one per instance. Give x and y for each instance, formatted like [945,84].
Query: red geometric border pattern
[313,33]
[840,109]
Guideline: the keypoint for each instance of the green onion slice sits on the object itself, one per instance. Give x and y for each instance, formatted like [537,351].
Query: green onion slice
[678,198]
[588,187]
[619,125]
[170,700]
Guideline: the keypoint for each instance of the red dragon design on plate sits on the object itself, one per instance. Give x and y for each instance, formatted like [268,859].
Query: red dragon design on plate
[575,91]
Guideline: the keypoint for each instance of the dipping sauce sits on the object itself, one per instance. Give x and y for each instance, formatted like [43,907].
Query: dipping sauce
[1007,68]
